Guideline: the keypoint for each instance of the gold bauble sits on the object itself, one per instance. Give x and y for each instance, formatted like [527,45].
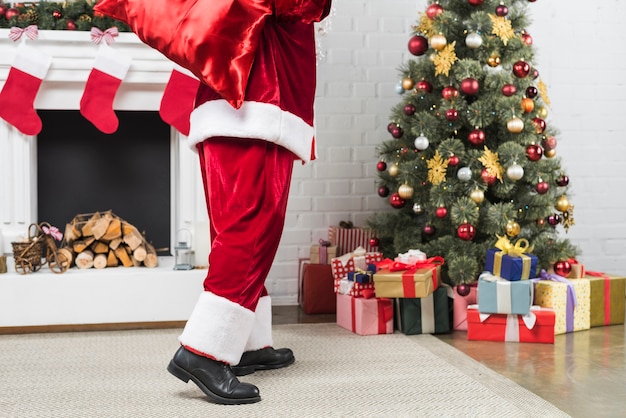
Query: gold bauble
[515,125]
[405,191]
[438,42]
[477,195]
[493,61]
[528,105]
[408,83]
[542,112]
[512,228]
[549,153]
[562,204]
[394,170]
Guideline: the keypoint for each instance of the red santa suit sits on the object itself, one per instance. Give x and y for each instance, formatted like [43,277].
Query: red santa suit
[253,117]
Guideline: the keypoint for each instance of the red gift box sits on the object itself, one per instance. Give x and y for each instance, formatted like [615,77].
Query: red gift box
[513,328]
[460,308]
[365,316]
[316,294]
[350,262]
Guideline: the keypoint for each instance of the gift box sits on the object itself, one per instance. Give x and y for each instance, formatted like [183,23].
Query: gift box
[509,267]
[323,252]
[460,304]
[496,295]
[352,288]
[570,300]
[536,327]
[429,315]
[348,238]
[577,271]
[606,299]
[399,280]
[365,316]
[317,295]
[359,260]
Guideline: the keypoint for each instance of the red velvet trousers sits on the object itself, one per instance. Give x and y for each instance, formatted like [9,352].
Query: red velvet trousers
[246,184]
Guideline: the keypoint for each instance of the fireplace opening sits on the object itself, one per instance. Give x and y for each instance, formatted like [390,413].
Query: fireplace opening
[82,170]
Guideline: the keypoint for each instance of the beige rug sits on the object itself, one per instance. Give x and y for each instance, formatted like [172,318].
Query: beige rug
[336,374]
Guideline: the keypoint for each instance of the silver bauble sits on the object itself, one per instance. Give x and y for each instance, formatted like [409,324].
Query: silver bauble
[515,172]
[421,143]
[473,40]
[464,174]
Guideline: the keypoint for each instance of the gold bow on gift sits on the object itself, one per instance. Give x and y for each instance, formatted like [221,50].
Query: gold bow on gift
[519,249]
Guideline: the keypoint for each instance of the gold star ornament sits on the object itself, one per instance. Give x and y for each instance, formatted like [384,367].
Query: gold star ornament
[491,161]
[444,59]
[502,28]
[437,169]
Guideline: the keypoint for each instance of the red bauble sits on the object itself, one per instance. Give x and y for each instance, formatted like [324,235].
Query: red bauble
[463,290]
[453,161]
[521,69]
[449,93]
[383,191]
[466,232]
[434,10]
[11,13]
[562,268]
[534,73]
[540,125]
[409,109]
[397,132]
[452,115]
[423,86]
[563,181]
[441,212]
[381,166]
[534,152]
[3,9]
[391,127]
[475,2]
[476,137]
[428,230]
[549,143]
[487,177]
[502,10]
[528,40]
[70,25]
[531,92]
[542,187]
[469,86]
[396,201]
[509,90]
[554,219]
[56,14]
[418,45]
[374,242]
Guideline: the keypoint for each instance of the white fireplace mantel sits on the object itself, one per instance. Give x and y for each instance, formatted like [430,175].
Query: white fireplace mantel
[70,298]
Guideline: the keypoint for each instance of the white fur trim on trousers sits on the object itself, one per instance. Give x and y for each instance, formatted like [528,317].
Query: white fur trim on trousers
[261,335]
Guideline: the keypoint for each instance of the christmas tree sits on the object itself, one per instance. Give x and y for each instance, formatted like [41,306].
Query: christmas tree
[471,161]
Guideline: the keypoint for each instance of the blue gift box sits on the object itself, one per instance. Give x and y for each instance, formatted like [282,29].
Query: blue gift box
[359,277]
[511,268]
[499,296]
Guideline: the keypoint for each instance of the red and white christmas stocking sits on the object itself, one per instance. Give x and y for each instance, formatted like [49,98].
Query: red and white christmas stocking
[179,99]
[17,98]
[106,76]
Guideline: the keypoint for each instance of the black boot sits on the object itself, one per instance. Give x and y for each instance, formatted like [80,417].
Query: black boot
[263,359]
[214,378]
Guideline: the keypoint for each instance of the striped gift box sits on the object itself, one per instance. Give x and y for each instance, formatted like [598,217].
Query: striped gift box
[349,239]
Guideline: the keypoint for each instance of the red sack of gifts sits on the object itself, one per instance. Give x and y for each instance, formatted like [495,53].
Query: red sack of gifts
[214,39]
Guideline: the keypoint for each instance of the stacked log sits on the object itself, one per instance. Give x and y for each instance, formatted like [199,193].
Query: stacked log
[103,239]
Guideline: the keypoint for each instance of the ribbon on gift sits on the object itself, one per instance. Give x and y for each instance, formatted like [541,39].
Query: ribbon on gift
[324,251]
[504,303]
[519,249]
[511,331]
[411,257]
[108,36]
[408,284]
[427,310]
[31,32]
[607,294]
[571,303]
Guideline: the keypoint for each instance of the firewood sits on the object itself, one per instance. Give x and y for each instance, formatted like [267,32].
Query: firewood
[67,255]
[100,261]
[87,229]
[151,256]
[82,244]
[123,256]
[115,243]
[101,226]
[133,238]
[100,247]
[84,260]
[114,230]
[112,260]
[71,233]
[140,253]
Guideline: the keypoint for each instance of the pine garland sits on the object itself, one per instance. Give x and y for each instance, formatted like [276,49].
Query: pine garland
[76,15]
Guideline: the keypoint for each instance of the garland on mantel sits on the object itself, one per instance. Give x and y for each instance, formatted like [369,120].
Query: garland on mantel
[69,15]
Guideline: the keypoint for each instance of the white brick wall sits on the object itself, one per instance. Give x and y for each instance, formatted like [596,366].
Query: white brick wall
[580,55]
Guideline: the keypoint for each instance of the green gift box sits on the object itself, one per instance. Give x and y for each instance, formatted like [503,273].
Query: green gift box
[428,315]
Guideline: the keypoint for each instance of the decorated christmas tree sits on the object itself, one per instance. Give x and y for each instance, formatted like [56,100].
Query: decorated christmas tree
[471,160]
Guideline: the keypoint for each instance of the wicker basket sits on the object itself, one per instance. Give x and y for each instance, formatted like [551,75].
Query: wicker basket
[29,253]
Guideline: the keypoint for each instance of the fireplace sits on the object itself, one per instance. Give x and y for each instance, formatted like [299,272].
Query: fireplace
[112,294]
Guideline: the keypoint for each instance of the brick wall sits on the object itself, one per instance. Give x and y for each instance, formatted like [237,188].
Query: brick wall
[580,56]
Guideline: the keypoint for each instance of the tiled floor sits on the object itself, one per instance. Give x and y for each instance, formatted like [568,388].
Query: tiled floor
[582,373]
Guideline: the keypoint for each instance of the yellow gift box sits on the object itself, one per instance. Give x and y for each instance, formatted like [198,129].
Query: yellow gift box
[571,315]
[607,298]
[411,283]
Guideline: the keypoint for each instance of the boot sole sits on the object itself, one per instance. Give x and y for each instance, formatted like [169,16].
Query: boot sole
[246,370]
[185,376]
